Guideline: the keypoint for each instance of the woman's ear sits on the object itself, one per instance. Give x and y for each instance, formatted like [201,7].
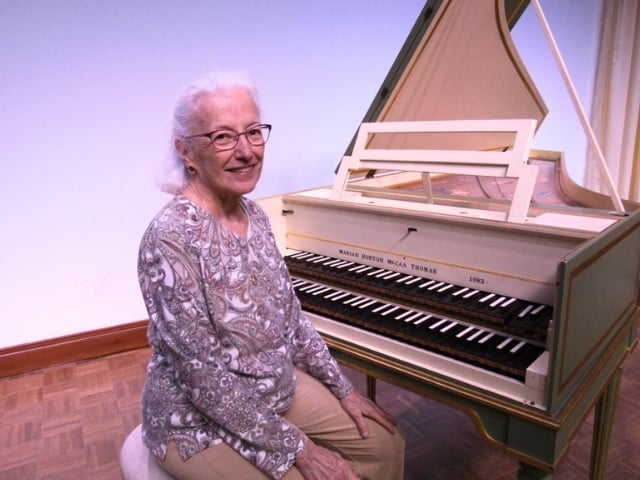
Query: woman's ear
[182,148]
[184,152]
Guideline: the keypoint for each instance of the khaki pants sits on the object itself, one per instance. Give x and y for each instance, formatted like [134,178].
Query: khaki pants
[317,413]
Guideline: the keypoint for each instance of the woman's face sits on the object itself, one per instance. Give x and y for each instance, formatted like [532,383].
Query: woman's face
[227,174]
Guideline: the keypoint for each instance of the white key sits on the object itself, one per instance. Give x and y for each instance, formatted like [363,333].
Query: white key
[438,323]
[504,343]
[416,279]
[525,312]
[497,302]
[384,314]
[380,308]
[318,292]
[375,272]
[413,317]
[332,261]
[446,287]
[508,302]
[537,310]
[359,302]
[360,268]
[383,273]
[404,279]
[391,275]
[333,294]
[475,335]
[344,264]
[370,302]
[464,332]
[338,297]
[352,300]
[422,320]
[487,297]
[449,327]
[402,315]
[486,338]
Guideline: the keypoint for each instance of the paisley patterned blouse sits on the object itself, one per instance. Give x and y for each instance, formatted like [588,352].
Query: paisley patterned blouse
[226,332]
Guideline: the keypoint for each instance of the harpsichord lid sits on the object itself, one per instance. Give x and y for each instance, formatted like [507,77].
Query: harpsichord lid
[458,63]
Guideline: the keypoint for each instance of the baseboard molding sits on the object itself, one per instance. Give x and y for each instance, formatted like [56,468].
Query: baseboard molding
[72,348]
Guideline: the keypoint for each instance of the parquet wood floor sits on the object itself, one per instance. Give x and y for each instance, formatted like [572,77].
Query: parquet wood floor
[68,422]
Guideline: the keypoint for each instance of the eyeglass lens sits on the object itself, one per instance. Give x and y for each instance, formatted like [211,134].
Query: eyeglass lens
[257,135]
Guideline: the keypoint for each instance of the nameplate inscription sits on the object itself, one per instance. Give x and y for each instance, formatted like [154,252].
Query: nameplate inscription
[391,262]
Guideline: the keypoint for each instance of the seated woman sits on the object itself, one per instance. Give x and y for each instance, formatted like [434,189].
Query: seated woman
[239,384]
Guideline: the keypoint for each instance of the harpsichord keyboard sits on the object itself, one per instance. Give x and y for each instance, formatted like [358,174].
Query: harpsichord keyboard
[503,334]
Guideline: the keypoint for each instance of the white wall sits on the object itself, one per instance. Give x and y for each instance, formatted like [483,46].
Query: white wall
[86,93]
[575,25]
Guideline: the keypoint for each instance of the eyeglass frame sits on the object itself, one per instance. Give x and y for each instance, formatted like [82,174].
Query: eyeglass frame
[236,136]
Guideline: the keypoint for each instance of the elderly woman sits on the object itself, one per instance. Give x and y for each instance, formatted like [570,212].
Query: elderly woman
[239,384]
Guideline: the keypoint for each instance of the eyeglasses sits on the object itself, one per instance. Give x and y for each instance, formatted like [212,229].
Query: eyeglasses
[226,139]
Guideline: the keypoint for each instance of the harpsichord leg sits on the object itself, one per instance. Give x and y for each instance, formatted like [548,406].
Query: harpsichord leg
[602,423]
[371,387]
[527,472]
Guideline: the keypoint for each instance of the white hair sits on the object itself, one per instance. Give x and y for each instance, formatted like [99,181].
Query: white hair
[173,177]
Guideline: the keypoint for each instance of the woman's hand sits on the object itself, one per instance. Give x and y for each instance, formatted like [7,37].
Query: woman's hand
[318,463]
[358,406]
